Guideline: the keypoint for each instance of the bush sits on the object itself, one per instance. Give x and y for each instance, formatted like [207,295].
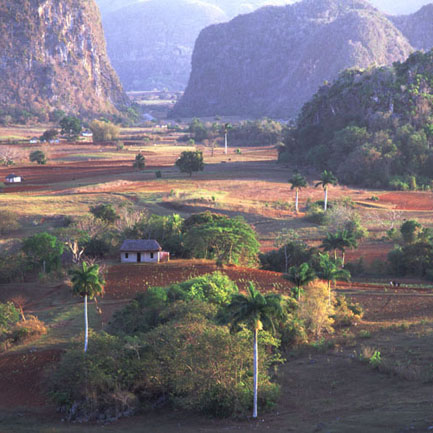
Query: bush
[158,174]
[104,131]
[104,212]
[184,362]
[28,329]
[315,311]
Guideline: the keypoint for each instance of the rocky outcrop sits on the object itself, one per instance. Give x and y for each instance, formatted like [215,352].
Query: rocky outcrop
[150,43]
[270,62]
[417,27]
[53,55]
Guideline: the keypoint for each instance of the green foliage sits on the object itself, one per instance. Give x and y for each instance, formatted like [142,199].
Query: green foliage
[298,181]
[105,213]
[9,316]
[139,162]
[198,130]
[264,132]
[190,162]
[86,281]
[410,230]
[49,135]
[104,131]
[71,126]
[227,240]
[38,156]
[44,250]
[186,358]
[300,276]
[371,127]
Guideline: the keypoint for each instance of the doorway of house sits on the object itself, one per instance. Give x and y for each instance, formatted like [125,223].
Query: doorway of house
[138,257]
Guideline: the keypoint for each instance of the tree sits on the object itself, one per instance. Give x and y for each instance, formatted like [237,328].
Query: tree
[300,276]
[331,243]
[228,240]
[227,126]
[87,283]
[326,179]
[71,125]
[104,131]
[38,156]
[410,230]
[257,312]
[189,162]
[104,212]
[43,249]
[298,181]
[140,162]
[49,135]
[330,271]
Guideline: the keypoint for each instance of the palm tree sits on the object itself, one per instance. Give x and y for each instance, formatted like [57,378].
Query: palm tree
[87,283]
[330,271]
[326,179]
[346,240]
[298,181]
[300,276]
[227,126]
[257,312]
[331,243]
[140,162]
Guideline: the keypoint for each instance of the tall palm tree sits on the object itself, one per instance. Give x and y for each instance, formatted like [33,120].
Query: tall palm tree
[300,276]
[331,272]
[87,283]
[326,179]
[227,126]
[257,312]
[298,181]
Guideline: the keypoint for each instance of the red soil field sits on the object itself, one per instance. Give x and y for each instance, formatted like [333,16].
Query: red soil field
[409,200]
[125,281]
[21,378]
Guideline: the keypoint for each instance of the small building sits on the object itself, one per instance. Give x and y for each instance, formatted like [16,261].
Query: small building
[34,140]
[87,134]
[13,178]
[142,251]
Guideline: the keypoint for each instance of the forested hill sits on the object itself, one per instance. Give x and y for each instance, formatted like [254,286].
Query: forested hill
[270,62]
[53,55]
[417,27]
[372,127]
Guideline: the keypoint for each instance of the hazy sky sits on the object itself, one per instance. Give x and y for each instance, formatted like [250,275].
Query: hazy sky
[399,6]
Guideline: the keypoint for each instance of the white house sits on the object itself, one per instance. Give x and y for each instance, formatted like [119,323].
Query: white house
[87,134]
[13,178]
[34,140]
[142,251]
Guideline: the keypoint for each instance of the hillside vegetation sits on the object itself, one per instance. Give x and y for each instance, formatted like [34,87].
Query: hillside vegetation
[372,127]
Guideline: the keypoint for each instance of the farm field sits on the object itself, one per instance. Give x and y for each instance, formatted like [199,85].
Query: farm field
[326,387]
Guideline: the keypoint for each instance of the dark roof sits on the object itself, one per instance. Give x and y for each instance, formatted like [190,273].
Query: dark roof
[11,176]
[140,245]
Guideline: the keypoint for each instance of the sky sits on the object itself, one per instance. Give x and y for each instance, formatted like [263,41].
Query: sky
[398,7]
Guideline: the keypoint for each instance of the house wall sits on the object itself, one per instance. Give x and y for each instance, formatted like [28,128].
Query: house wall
[14,180]
[145,257]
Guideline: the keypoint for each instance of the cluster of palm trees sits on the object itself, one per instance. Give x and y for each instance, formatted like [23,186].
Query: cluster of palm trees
[340,240]
[298,181]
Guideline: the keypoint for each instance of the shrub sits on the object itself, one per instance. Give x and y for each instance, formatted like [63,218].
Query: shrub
[315,311]
[104,131]
[158,174]
[104,212]
[28,329]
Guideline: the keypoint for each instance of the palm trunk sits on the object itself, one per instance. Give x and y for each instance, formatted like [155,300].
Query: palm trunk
[86,323]
[344,254]
[325,206]
[335,255]
[256,367]
[225,143]
[297,201]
